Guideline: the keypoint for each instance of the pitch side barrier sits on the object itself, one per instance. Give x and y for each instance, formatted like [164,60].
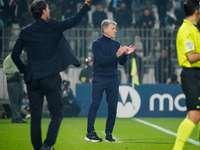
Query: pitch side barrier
[145,100]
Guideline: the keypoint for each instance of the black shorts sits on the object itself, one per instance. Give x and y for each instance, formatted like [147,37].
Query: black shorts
[190,83]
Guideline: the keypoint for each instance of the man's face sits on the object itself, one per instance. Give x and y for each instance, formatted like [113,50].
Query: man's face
[99,7]
[111,31]
[79,5]
[146,12]
[46,12]
[90,63]
[198,16]
[63,87]
[22,54]
[123,5]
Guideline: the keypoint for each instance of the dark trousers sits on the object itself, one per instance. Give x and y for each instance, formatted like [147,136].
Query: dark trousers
[15,92]
[190,83]
[37,89]
[111,87]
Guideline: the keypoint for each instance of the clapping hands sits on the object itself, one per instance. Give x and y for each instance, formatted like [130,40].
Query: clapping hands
[125,49]
[121,50]
[130,50]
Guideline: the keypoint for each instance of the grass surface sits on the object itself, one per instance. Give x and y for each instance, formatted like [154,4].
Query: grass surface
[129,135]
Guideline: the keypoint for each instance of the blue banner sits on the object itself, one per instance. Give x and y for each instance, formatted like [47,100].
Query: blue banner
[145,100]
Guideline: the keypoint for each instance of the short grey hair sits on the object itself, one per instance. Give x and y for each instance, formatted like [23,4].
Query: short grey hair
[105,23]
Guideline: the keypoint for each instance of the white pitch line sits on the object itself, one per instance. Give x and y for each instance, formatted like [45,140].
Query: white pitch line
[165,130]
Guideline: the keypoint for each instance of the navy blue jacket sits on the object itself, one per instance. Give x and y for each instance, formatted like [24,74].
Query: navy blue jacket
[105,61]
[48,52]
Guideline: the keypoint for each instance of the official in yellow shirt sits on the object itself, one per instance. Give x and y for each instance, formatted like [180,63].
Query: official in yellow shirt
[188,42]
[188,50]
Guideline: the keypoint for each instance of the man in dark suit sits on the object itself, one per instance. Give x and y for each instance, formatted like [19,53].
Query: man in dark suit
[48,53]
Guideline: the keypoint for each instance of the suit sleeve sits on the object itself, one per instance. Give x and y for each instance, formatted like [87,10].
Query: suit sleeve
[17,50]
[122,59]
[74,20]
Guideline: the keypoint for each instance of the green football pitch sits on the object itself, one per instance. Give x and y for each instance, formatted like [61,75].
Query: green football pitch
[130,134]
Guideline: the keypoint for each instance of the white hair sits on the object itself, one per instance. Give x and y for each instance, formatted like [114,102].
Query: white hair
[105,23]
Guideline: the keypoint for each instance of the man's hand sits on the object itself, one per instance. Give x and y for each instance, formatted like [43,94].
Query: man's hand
[130,49]
[121,50]
[88,2]
[90,80]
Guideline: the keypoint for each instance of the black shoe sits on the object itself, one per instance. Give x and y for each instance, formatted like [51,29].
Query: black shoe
[109,138]
[92,137]
[46,147]
[18,120]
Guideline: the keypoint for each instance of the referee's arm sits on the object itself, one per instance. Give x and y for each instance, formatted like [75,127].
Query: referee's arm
[192,57]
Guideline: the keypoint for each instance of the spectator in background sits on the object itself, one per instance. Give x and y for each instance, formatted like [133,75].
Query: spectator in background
[167,25]
[179,12]
[146,4]
[114,6]
[138,7]
[13,8]
[55,13]
[23,7]
[146,23]
[71,107]
[162,8]
[123,16]
[25,19]
[58,4]
[1,30]
[82,1]
[147,20]
[49,2]
[86,73]
[81,43]
[172,79]
[163,68]
[5,21]
[5,13]
[124,19]
[98,16]
[95,2]
[25,108]
[68,7]
[128,67]
[84,22]
[15,88]
[139,45]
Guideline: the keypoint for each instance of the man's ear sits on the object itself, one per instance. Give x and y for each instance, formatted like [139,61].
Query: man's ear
[197,11]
